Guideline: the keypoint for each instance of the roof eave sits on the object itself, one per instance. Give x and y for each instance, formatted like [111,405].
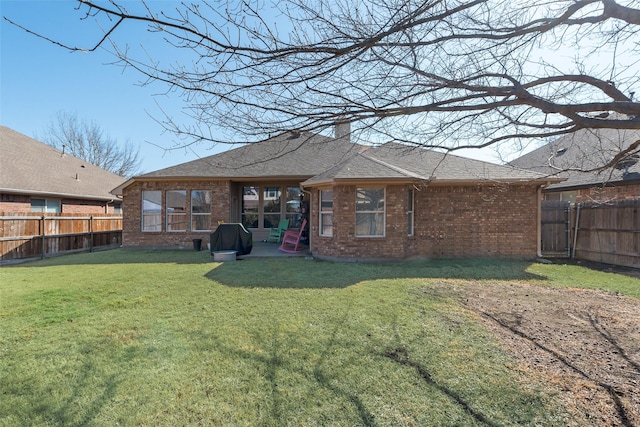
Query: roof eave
[54,194]
[581,186]
[431,181]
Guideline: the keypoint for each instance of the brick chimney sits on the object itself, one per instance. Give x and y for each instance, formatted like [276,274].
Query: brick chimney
[343,130]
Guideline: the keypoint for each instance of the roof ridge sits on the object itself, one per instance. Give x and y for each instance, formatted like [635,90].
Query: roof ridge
[394,167]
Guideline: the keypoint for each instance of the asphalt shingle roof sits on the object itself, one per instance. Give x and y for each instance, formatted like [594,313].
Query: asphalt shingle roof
[585,149]
[301,156]
[396,161]
[320,159]
[28,166]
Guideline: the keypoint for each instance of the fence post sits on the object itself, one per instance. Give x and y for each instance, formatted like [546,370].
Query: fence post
[575,233]
[44,233]
[91,233]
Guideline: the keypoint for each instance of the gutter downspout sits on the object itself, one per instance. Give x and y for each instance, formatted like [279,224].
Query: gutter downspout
[539,223]
[106,206]
[308,213]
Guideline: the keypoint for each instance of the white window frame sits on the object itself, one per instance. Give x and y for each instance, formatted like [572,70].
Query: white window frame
[411,201]
[199,215]
[324,214]
[156,224]
[172,217]
[372,212]
[48,205]
[271,192]
[293,206]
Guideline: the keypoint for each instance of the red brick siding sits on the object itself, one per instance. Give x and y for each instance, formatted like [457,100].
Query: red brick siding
[463,221]
[132,234]
[608,193]
[84,206]
[15,203]
[22,203]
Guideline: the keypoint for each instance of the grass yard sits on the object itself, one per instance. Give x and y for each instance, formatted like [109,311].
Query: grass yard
[171,338]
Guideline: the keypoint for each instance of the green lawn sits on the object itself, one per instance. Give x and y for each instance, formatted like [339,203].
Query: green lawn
[171,338]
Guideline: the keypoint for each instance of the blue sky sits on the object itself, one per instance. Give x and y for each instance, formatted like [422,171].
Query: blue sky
[39,79]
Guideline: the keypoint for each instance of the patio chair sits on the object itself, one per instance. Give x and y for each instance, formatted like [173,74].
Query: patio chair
[276,233]
[291,239]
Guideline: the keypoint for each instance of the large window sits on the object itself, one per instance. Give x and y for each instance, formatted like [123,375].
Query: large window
[250,205]
[46,205]
[326,212]
[200,210]
[370,212]
[293,207]
[264,206]
[410,216]
[151,210]
[177,210]
[271,207]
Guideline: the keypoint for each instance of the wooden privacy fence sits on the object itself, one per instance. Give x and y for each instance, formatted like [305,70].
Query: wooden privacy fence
[608,233]
[33,235]
[556,228]
[601,232]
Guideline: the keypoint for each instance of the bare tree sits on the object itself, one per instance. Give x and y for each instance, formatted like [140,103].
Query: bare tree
[86,140]
[436,73]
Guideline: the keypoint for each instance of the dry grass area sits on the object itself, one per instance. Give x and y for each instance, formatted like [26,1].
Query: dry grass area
[585,342]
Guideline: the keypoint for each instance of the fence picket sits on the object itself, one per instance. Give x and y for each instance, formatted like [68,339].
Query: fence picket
[606,232]
[31,235]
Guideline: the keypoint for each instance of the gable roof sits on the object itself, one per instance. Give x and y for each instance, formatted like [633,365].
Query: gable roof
[585,149]
[28,166]
[316,159]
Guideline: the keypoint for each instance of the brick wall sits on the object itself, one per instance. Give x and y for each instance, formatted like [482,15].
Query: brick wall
[460,221]
[132,208]
[15,203]
[608,193]
[22,203]
[84,207]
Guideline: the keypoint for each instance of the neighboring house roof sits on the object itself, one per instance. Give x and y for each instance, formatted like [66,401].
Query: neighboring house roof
[586,149]
[28,166]
[318,159]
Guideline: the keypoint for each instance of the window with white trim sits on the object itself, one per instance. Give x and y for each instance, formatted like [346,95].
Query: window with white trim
[250,206]
[410,216]
[370,212]
[151,210]
[271,206]
[326,213]
[200,210]
[46,205]
[176,210]
[293,207]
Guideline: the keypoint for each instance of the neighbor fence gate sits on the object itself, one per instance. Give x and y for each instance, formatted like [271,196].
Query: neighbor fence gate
[556,228]
[33,235]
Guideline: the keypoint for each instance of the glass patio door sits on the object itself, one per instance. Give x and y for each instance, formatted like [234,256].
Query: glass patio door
[264,206]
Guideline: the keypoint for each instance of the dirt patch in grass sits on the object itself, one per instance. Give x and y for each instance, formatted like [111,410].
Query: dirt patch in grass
[586,344]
